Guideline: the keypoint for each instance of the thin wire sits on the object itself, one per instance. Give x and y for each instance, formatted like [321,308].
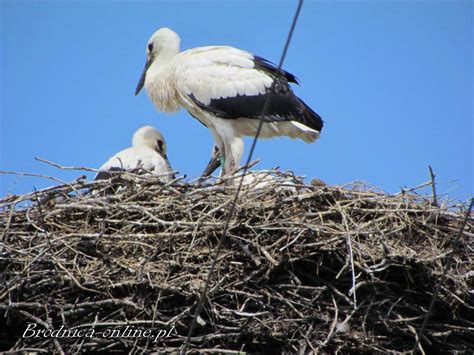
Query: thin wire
[455,245]
[236,196]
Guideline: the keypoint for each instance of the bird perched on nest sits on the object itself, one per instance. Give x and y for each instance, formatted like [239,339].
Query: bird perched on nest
[148,152]
[226,88]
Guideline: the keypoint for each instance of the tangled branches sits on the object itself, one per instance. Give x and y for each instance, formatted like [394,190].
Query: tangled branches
[304,268]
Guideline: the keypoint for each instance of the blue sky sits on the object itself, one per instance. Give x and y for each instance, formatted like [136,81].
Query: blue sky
[393,81]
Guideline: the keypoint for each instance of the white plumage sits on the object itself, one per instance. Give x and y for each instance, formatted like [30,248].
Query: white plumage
[148,152]
[225,88]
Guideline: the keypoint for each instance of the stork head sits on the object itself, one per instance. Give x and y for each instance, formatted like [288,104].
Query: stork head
[214,163]
[152,138]
[163,44]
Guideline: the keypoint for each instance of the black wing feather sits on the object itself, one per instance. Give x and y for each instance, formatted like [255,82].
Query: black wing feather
[283,104]
[267,66]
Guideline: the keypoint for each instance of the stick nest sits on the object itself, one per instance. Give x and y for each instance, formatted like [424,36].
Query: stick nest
[303,268]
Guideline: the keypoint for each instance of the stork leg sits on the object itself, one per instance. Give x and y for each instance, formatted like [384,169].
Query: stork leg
[230,146]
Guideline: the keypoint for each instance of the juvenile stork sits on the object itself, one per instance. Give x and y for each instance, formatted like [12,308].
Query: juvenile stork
[148,151]
[225,88]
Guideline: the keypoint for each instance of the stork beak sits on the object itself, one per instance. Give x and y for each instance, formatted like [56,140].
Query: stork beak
[213,164]
[165,157]
[143,76]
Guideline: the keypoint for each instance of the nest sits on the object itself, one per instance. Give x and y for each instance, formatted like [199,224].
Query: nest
[119,264]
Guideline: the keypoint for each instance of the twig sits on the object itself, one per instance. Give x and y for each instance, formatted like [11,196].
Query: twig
[33,175]
[333,324]
[433,186]
[66,167]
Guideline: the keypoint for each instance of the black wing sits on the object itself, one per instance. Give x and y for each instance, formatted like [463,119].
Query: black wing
[283,104]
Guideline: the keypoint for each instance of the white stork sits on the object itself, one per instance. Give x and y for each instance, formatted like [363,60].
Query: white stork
[148,151]
[225,88]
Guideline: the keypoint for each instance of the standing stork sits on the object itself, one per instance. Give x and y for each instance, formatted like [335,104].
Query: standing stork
[148,151]
[225,88]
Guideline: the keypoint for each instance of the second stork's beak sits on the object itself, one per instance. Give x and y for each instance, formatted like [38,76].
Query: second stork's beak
[143,76]
[213,164]
[172,176]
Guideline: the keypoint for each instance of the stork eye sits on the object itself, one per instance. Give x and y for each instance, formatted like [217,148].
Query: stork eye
[150,47]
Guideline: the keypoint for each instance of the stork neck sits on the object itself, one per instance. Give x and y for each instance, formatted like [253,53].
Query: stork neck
[160,85]
[159,65]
